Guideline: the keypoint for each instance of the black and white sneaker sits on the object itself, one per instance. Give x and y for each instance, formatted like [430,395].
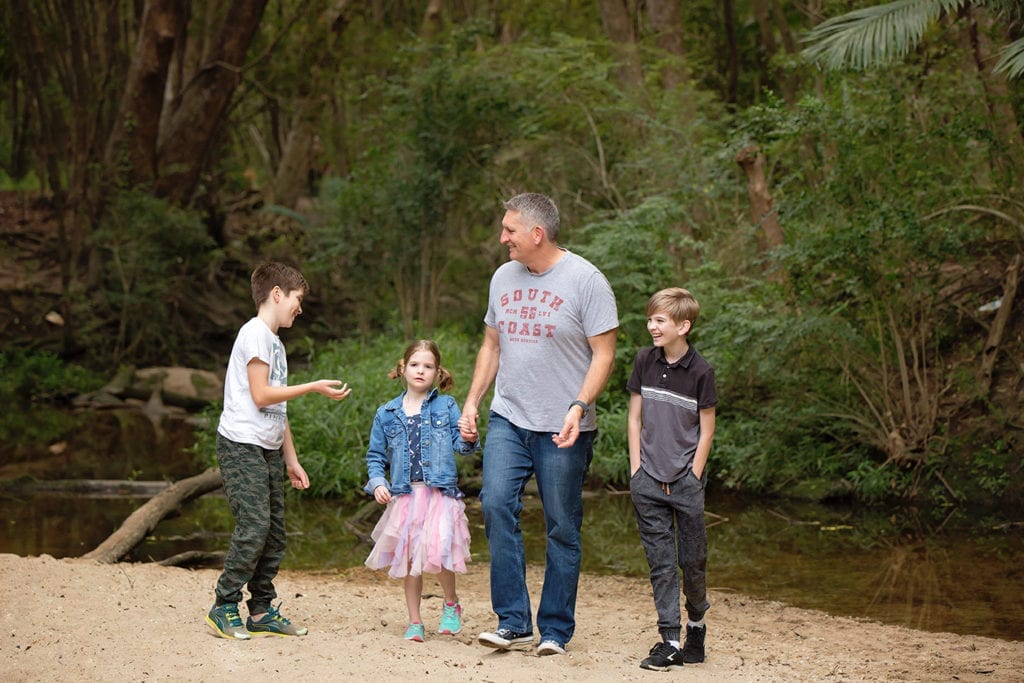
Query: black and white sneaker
[550,647]
[504,638]
[663,657]
[693,647]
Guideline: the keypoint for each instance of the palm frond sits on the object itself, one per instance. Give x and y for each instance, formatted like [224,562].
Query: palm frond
[875,36]
[1011,60]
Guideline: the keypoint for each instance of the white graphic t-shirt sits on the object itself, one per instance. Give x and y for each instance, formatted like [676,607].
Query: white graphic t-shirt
[543,321]
[241,421]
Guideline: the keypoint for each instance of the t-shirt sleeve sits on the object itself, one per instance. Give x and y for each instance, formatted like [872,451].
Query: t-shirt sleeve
[707,394]
[600,312]
[634,385]
[256,345]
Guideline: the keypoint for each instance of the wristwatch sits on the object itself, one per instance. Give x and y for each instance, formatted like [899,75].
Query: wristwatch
[583,406]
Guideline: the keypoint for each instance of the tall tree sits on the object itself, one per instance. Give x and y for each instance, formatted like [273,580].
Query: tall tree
[667,26]
[197,113]
[131,151]
[619,24]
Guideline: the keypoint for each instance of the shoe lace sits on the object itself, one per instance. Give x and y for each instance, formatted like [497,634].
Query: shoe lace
[449,612]
[231,613]
[663,648]
[275,614]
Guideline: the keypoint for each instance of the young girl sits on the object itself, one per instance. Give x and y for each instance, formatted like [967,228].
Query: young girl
[424,527]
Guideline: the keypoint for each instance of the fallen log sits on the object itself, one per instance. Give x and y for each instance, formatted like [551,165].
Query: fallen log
[194,558]
[142,522]
[95,488]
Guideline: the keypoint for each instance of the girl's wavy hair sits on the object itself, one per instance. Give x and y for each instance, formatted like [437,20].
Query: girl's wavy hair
[444,378]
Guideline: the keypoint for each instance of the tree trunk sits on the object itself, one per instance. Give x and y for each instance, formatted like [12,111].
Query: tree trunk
[194,558]
[144,520]
[432,19]
[300,166]
[618,25]
[762,211]
[732,55]
[768,24]
[1009,145]
[185,144]
[668,37]
[131,148]
[995,334]
[291,180]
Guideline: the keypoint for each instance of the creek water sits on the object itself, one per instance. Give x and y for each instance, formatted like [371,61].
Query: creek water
[940,569]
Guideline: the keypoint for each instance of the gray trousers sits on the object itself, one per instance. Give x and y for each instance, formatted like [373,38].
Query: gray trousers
[254,484]
[671,527]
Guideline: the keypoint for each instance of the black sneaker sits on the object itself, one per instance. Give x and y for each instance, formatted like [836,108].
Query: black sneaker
[693,648]
[663,657]
[504,638]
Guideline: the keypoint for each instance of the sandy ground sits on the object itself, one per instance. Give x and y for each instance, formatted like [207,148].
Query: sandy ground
[73,620]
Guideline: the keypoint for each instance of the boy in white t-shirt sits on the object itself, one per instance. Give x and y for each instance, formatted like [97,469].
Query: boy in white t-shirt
[255,450]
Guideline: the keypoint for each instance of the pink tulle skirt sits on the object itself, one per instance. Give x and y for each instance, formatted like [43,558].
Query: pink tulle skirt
[421,532]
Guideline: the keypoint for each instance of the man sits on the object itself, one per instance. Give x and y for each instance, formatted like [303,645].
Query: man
[549,347]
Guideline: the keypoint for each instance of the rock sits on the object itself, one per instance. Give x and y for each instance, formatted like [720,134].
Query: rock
[192,383]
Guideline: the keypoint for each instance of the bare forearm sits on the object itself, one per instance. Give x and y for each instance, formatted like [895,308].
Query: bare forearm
[291,456]
[601,364]
[707,435]
[269,395]
[633,426]
[484,372]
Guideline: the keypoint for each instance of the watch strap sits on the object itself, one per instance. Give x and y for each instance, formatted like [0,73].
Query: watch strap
[583,406]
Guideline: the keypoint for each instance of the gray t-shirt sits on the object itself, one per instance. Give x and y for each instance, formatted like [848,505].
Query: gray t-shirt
[543,321]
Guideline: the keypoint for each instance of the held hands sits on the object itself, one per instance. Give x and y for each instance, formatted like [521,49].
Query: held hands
[381,494]
[330,388]
[467,426]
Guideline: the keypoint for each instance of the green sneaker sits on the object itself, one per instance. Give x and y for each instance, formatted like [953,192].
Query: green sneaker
[451,619]
[414,632]
[225,621]
[273,624]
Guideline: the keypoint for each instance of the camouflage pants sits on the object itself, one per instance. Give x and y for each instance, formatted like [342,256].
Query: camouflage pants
[254,481]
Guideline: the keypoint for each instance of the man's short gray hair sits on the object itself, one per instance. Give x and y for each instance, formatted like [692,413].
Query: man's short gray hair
[536,209]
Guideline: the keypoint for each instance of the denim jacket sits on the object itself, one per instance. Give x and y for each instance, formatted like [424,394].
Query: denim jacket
[439,440]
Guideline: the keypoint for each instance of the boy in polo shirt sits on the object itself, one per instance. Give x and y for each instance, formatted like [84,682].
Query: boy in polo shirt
[671,424]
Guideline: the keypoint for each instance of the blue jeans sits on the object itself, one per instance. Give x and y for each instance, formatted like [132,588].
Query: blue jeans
[511,456]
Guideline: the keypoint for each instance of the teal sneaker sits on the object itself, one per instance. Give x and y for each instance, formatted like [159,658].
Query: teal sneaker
[451,619]
[414,632]
[225,622]
[274,624]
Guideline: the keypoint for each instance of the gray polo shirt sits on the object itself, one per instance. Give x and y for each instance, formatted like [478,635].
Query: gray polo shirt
[673,396]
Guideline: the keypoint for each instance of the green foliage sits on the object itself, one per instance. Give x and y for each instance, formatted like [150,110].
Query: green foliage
[155,260]
[610,465]
[867,260]
[404,218]
[876,35]
[880,34]
[30,376]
